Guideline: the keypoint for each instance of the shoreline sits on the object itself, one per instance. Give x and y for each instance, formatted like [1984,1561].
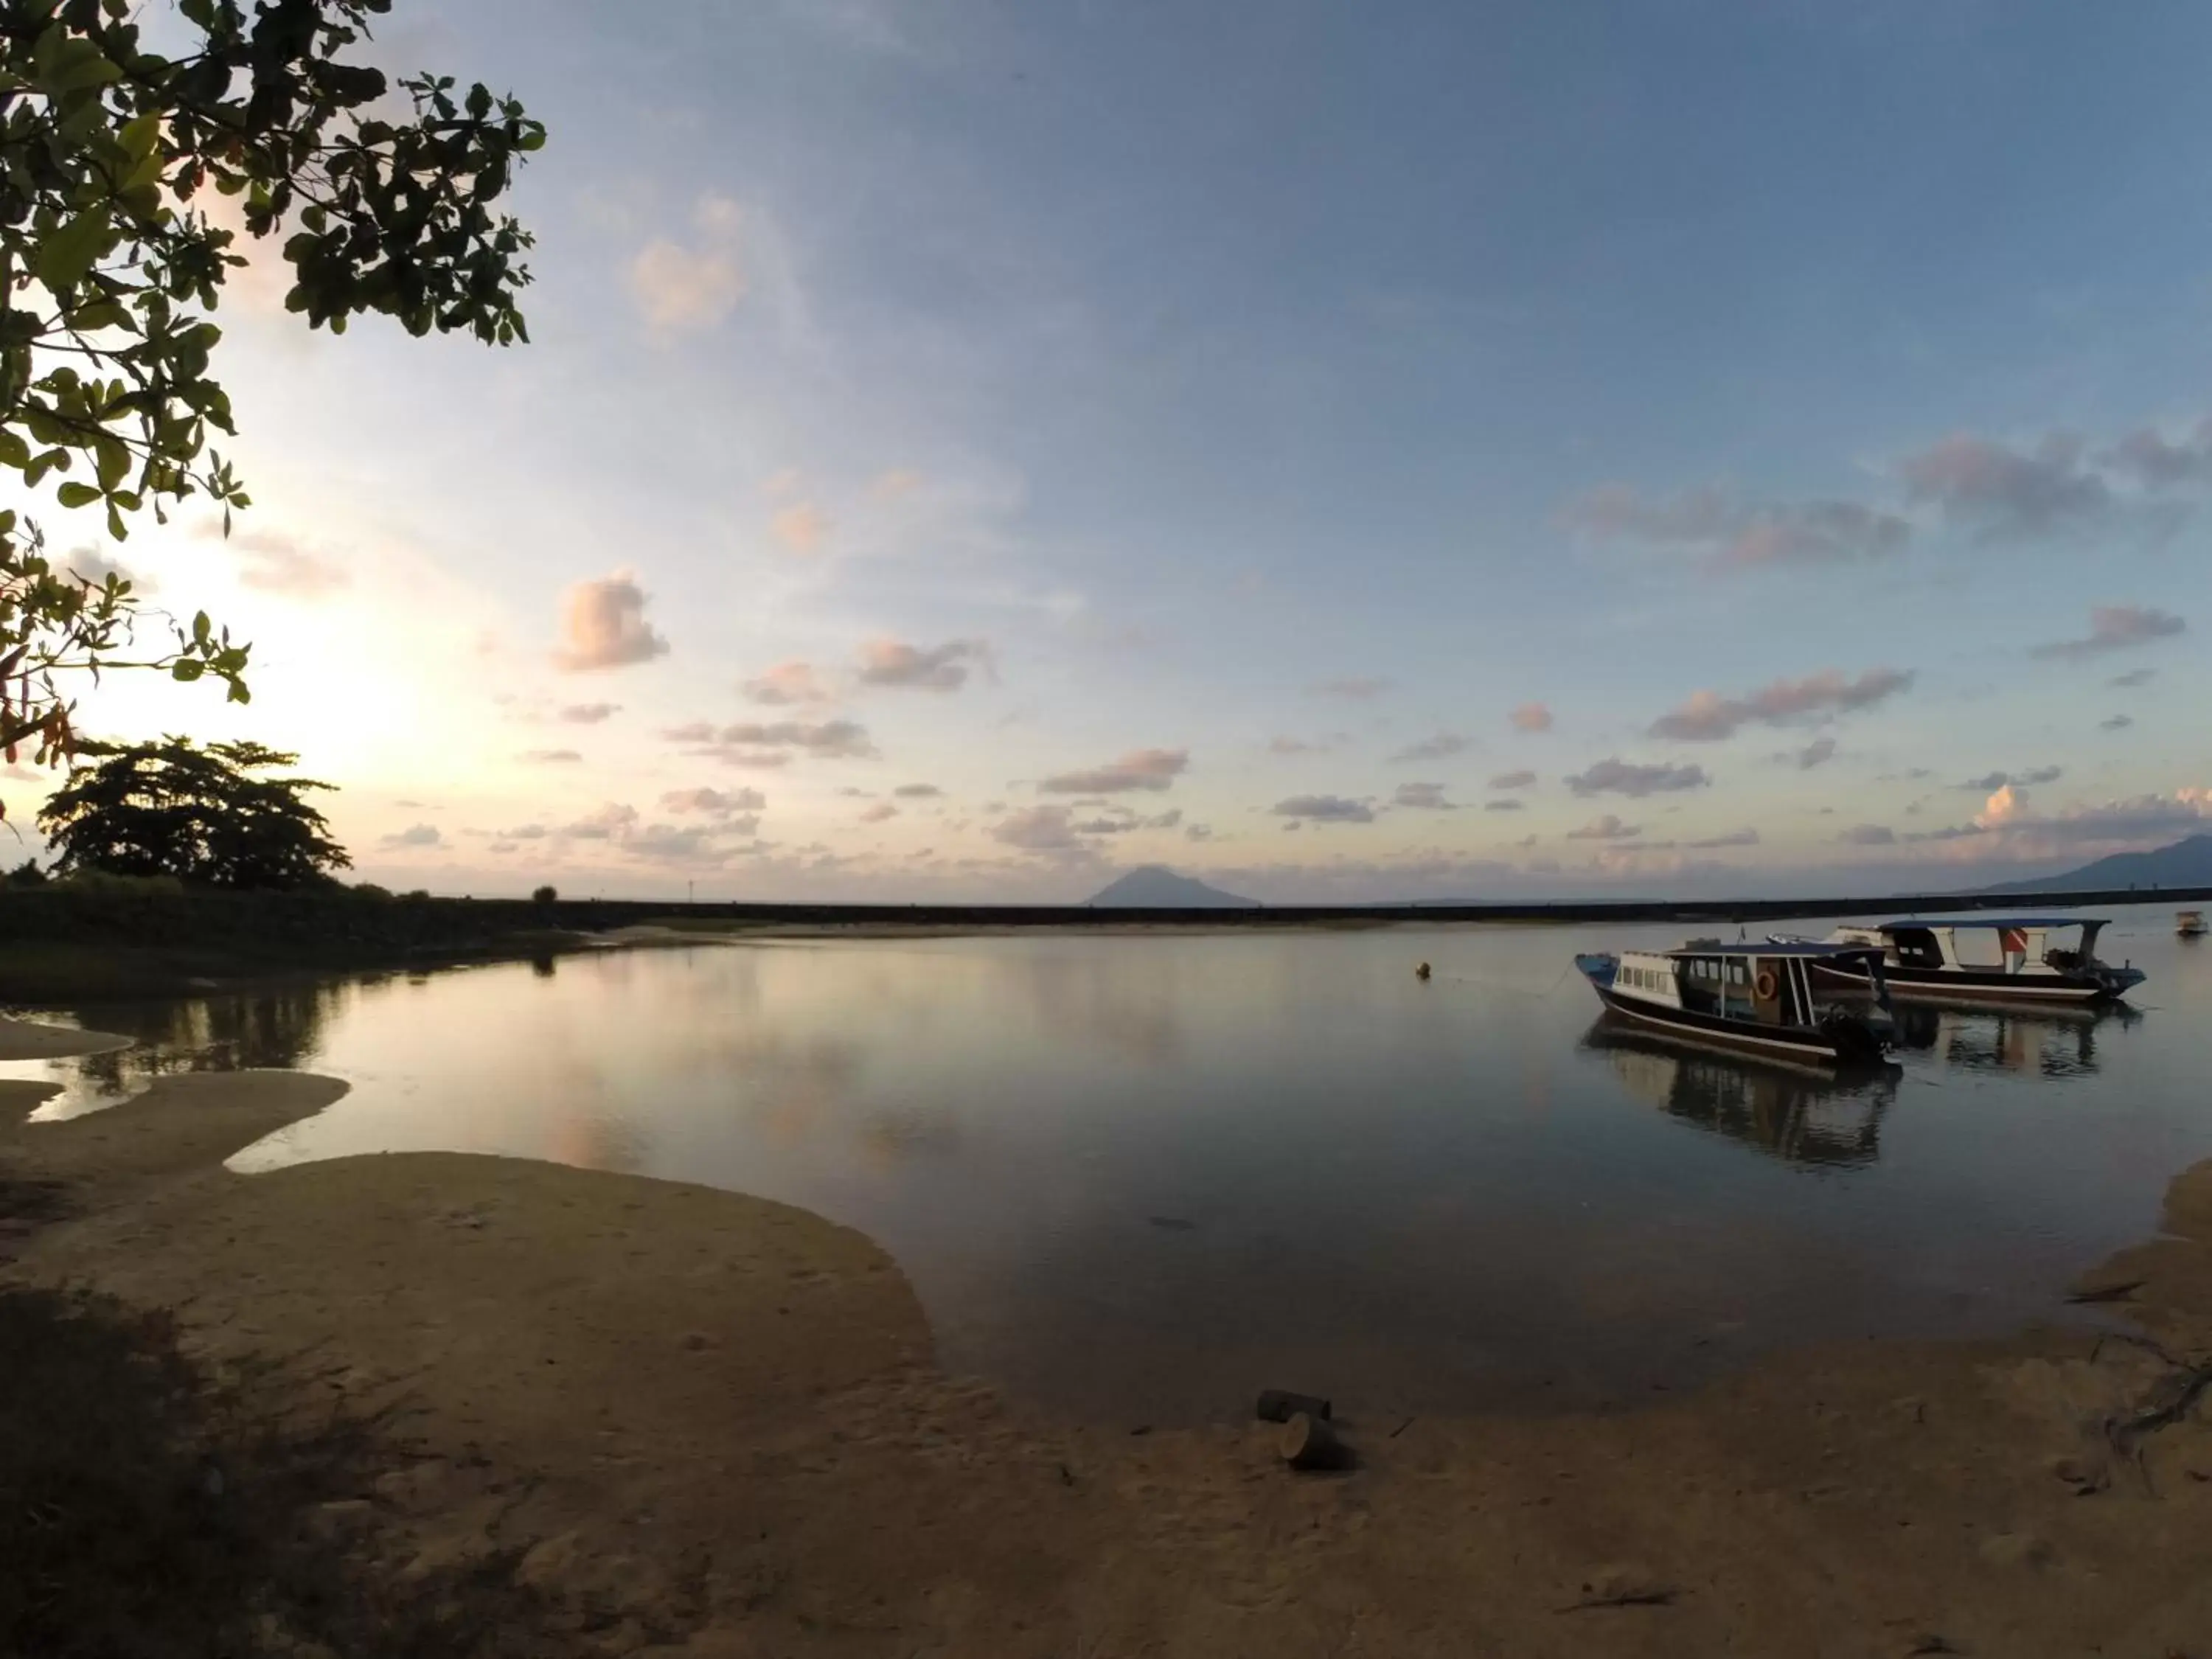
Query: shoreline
[719,1420]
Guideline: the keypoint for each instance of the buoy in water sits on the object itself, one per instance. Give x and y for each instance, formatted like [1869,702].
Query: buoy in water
[1421,972]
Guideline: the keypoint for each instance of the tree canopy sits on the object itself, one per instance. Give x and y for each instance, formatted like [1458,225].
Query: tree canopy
[109,151]
[172,808]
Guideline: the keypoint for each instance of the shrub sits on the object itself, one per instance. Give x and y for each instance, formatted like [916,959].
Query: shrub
[544,896]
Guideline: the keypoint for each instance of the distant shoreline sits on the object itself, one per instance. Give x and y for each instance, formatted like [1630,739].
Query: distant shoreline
[60,947]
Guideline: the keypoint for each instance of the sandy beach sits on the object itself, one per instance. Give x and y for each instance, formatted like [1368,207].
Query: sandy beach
[714,1423]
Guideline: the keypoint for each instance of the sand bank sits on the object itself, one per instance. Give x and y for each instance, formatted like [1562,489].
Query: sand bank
[717,1420]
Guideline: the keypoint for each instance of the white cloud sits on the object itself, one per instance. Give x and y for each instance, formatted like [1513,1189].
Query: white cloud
[603,625]
[1530,717]
[1708,716]
[550,756]
[1442,746]
[2008,494]
[420,834]
[1426,797]
[1732,534]
[786,683]
[1613,776]
[587,714]
[1520,779]
[938,668]
[1324,809]
[2116,628]
[1608,828]
[680,288]
[801,528]
[1141,769]
[713,803]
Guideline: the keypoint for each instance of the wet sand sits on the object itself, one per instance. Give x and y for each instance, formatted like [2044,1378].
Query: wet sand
[718,1420]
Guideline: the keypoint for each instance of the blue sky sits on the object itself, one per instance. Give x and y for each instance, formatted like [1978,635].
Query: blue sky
[1188,433]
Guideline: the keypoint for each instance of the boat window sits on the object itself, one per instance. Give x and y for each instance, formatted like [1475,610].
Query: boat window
[1916,948]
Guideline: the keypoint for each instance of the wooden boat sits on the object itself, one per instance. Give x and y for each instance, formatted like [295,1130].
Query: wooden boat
[1758,999]
[2189,924]
[1924,959]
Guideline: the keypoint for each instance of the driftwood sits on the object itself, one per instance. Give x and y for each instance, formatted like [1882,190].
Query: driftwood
[1279,1405]
[1310,1442]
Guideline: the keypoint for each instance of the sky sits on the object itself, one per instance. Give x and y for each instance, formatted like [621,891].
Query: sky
[1407,450]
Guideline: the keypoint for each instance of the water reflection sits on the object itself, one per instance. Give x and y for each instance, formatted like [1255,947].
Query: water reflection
[277,1028]
[1799,1114]
[2050,1041]
[1101,1162]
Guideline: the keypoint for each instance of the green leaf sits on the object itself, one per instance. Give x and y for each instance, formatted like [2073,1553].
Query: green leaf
[68,252]
[77,494]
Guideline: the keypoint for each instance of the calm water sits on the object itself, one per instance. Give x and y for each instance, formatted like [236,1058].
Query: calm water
[1138,1178]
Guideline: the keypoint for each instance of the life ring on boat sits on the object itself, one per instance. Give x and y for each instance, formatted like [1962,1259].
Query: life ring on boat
[1765,984]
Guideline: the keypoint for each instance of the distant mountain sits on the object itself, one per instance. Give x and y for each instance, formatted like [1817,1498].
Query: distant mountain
[1156,887]
[2185,863]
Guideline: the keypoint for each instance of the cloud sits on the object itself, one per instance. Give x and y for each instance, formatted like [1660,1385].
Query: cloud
[1868,835]
[2134,677]
[603,626]
[1353,690]
[938,668]
[1502,806]
[550,756]
[271,562]
[2116,628]
[1608,828]
[713,803]
[1517,779]
[1198,832]
[786,683]
[1708,716]
[1120,820]
[917,792]
[2116,723]
[1141,769]
[609,822]
[1531,717]
[1442,746]
[1424,796]
[771,743]
[1301,746]
[1037,830]
[420,834]
[1732,534]
[801,528]
[2004,806]
[95,565]
[1744,837]
[1324,809]
[587,714]
[1989,781]
[1618,777]
[881,810]
[679,288]
[2007,494]
[2157,464]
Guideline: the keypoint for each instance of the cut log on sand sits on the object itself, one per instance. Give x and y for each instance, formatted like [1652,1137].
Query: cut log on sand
[1280,1405]
[1310,1442]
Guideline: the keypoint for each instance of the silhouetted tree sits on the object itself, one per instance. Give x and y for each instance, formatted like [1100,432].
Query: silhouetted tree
[108,154]
[172,808]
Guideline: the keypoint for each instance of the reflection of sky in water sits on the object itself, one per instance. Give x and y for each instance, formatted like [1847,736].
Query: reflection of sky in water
[1143,1176]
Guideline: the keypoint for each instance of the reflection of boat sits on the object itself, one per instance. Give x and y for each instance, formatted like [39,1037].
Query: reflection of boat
[2057,1040]
[1801,1113]
[1760,998]
[1922,958]
[2189,924]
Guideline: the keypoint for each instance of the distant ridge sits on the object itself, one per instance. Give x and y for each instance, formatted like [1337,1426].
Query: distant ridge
[1156,887]
[2187,863]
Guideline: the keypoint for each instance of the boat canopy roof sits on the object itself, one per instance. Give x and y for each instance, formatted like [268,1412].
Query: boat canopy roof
[1993,921]
[1789,948]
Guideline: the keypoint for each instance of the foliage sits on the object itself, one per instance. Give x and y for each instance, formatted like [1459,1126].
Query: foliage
[25,874]
[109,259]
[172,808]
[543,895]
